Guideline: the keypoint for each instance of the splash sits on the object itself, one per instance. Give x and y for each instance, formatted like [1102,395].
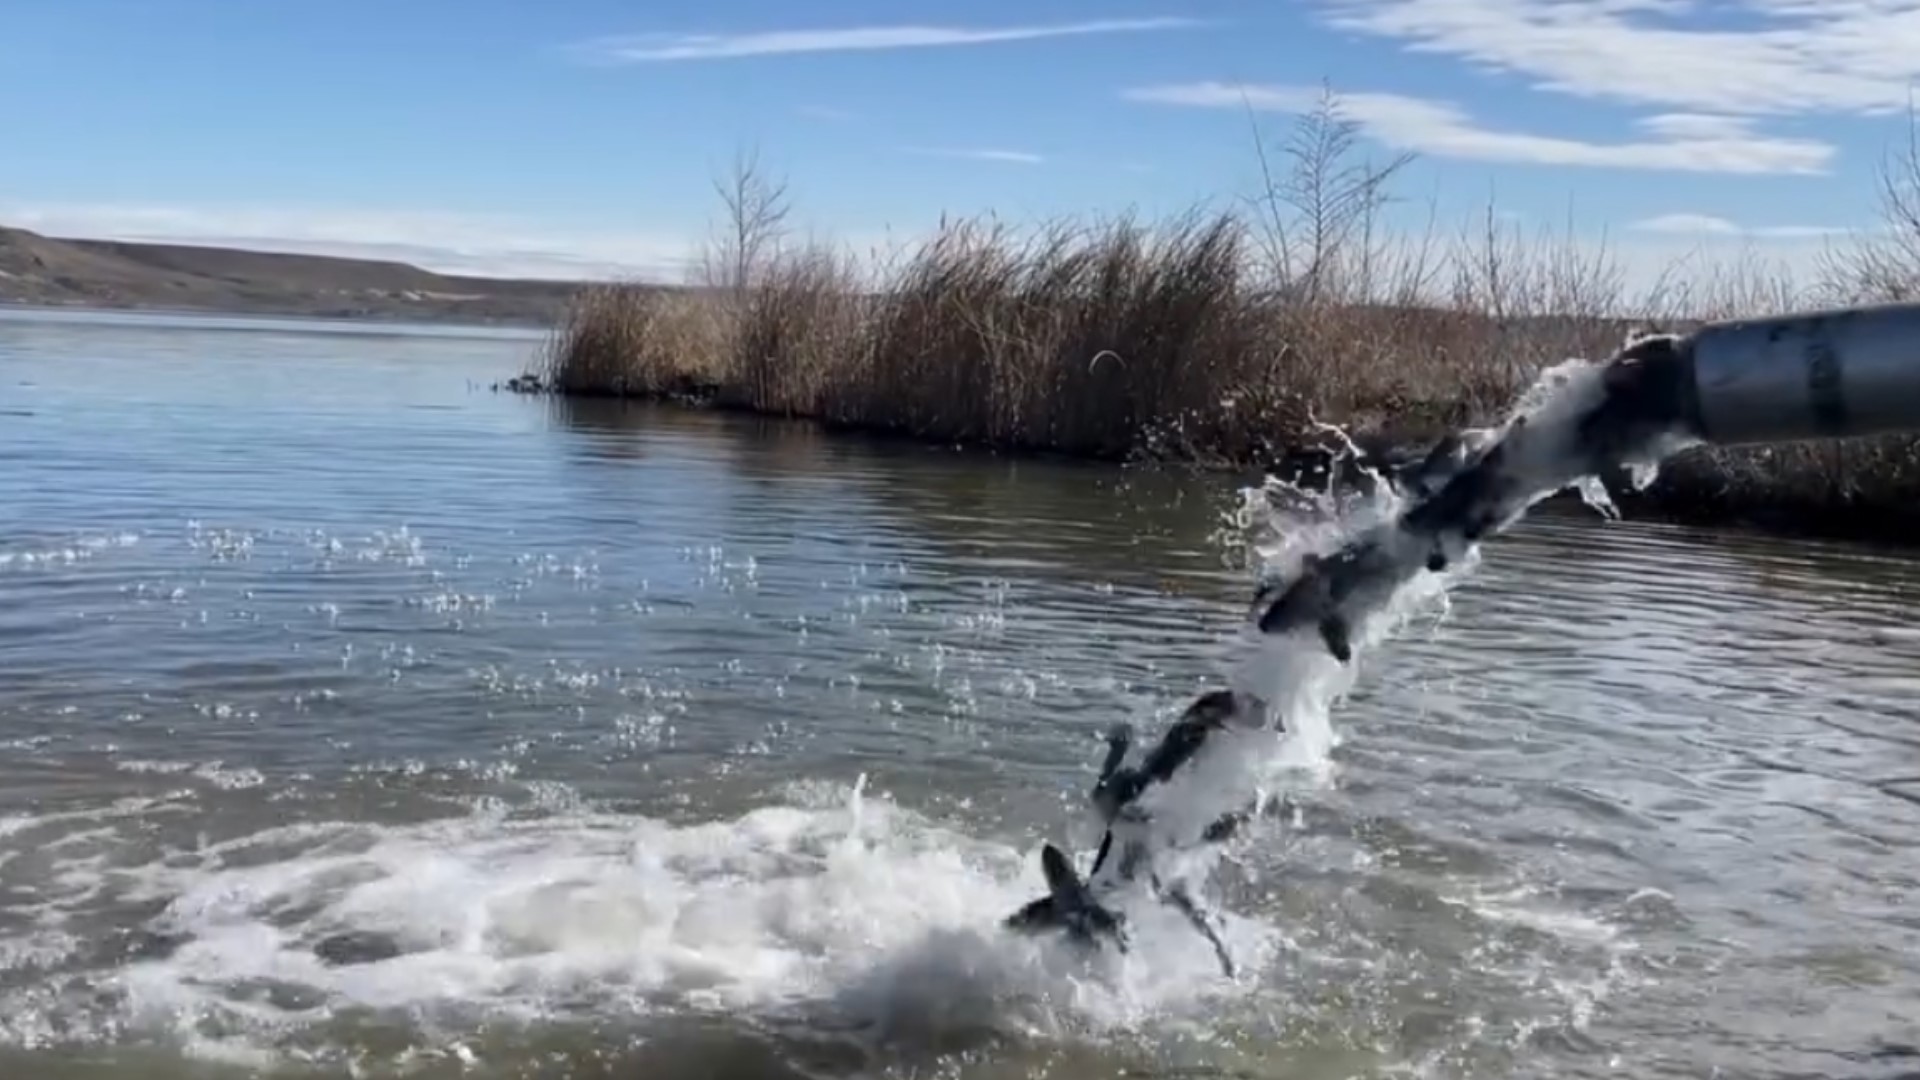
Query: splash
[1340,578]
[835,910]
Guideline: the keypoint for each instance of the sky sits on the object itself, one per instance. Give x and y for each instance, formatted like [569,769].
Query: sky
[581,137]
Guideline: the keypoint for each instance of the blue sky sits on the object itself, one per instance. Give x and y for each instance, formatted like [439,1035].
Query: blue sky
[581,136]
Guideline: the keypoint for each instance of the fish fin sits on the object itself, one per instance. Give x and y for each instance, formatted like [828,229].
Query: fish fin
[1062,882]
[1338,636]
[1035,915]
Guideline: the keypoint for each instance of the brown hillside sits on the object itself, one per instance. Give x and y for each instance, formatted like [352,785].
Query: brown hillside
[36,269]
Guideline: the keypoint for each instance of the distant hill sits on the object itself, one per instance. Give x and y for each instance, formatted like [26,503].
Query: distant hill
[36,269]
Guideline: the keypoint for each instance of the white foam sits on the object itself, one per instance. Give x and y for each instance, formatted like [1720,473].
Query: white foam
[834,909]
[79,550]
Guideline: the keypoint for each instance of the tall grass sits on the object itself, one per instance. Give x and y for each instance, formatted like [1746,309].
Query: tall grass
[1213,337]
[638,341]
[1109,339]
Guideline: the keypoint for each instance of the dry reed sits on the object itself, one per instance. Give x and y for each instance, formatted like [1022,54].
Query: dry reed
[1210,338]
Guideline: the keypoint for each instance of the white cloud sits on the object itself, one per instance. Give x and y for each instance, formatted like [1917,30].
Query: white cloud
[659,48]
[1687,225]
[1012,157]
[1781,57]
[449,243]
[1696,126]
[1690,224]
[1712,144]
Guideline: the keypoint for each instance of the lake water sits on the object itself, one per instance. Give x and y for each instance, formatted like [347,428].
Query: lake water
[668,745]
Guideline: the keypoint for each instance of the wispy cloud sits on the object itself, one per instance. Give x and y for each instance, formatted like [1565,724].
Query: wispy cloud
[1010,157]
[1690,224]
[450,243]
[1778,57]
[662,48]
[1677,142]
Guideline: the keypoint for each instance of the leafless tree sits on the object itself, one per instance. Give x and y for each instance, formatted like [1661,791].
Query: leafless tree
[1884,266]
[756,208]
[1318,213]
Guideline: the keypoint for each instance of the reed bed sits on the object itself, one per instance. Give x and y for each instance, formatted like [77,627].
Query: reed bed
[1218,338]
[1111,340]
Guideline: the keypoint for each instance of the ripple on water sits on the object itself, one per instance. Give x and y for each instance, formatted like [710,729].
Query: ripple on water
[527,687]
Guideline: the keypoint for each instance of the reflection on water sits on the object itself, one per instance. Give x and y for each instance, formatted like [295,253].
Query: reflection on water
[1094,521]
[665,743]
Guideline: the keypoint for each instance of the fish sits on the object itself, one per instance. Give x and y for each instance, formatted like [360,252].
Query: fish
[1461,490]
[1450,455]
[1069,906]
[1320,594]
[1127,850]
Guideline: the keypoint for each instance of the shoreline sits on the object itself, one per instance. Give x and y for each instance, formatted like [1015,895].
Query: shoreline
[436,317]
[1681,495]
[100,274]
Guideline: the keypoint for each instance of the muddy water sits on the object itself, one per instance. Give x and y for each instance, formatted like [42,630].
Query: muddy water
[658,744]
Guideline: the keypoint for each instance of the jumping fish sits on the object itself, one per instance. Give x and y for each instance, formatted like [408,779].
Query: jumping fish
[1475,484]
[1129,851]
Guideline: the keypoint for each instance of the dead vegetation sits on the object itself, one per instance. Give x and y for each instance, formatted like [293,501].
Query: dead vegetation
[1215,337]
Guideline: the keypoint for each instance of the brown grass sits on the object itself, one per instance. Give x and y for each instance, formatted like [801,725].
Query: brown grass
[638,341]
[1211,338]
[1110,340]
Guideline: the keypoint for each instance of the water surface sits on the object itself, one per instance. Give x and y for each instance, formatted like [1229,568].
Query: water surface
[667,744]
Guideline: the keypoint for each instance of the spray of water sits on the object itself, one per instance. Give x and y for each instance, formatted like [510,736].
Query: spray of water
[1343,576]
[830,911]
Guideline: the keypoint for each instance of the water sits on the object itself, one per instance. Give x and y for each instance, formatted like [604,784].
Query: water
[669,744]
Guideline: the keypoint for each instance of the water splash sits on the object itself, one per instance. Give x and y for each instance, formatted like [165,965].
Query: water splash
[834,910]
[1340,574]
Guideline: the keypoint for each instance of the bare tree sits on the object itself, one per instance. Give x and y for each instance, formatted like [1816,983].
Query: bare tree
[757,209]
[1885,266]
[1324,204]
